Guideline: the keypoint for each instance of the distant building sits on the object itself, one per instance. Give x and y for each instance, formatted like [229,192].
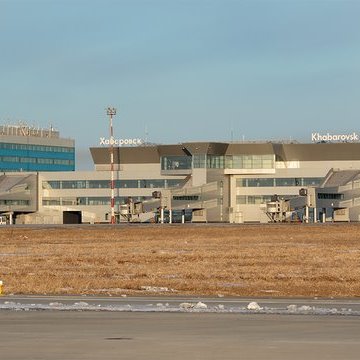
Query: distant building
[24,148]
[194,181]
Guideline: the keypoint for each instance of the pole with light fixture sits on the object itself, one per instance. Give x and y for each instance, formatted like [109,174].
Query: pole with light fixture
[112,112]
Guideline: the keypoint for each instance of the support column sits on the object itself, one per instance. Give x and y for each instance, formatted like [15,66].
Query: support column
[162,215]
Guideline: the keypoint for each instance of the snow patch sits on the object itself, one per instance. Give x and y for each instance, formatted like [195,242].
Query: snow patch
[254,306]
[186,306]
[155,289]
[53,304]
[81,304]
[292,308]
[213,307]
[305,308]
[301,309]
[198,306]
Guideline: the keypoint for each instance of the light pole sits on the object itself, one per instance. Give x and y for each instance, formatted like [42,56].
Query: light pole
[112,112]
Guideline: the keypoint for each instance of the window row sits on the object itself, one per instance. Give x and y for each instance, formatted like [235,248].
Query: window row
[4,170]
[14,202]
[90,200]
[266,161]
[176,162]
[271,182]
[31,160]
[257,199]
[106,184]
[330,196]
[187,197]
[10,146]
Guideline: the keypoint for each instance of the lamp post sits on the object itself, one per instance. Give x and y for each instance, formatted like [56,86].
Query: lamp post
[110,111]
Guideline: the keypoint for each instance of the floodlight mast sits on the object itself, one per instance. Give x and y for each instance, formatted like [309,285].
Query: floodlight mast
[110,111]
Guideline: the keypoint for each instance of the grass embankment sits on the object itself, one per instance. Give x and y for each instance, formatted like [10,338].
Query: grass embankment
[259,260]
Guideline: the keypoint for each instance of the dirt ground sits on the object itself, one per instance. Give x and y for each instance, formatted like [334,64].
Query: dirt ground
[239,260]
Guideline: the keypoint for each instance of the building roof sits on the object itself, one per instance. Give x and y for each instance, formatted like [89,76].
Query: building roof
[282,151]
[339,177]
[30,135]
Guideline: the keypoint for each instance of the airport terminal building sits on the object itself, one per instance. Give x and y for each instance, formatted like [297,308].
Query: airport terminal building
[204,181]
[29,148]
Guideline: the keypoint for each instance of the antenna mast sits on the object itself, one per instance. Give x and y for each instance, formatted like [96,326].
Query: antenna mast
[112,112]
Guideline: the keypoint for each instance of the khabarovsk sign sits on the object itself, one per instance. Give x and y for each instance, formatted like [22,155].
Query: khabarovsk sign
[121,142]
[317,137]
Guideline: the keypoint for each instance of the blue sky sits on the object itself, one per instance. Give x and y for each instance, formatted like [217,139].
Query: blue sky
[181,70]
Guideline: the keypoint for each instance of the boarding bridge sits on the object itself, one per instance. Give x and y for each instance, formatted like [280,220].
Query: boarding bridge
[278,210]
[139,211]
[196,200]
[200,200]
[18,195]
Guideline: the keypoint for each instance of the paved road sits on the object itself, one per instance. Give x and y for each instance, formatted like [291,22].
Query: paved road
[58,335]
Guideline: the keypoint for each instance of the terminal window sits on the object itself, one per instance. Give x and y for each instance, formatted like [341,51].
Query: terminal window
[176,162]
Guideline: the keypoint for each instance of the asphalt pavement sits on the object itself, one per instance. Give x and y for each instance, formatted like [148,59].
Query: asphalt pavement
[59,335]
[160,328]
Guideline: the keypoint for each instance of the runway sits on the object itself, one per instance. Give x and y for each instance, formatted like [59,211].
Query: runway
[59,335]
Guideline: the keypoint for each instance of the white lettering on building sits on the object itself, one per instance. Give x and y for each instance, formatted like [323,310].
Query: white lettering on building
[316,137]
[121,142]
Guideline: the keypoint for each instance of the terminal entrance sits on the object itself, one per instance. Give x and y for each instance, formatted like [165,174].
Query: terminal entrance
[72,217]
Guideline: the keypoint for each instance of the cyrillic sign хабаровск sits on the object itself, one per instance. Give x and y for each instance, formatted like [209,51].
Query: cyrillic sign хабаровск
[353,137]
[120,142]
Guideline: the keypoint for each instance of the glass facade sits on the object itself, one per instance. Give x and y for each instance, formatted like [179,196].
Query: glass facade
[105,184]
[215,162]
[330,196]
[252,199]
[257,199]
[312,181]
[28,157]
[11,146]
[241,162]
[174,183]
[14,202]
[201,161]
[78,184]
[187,197]
[176,162]
[90,200]
[271,182]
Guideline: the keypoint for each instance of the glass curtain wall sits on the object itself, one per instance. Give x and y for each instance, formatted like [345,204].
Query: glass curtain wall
[266,161]
[270,182]
[176,162]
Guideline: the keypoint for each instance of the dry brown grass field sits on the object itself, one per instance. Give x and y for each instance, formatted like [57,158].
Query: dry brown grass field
[245,260]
